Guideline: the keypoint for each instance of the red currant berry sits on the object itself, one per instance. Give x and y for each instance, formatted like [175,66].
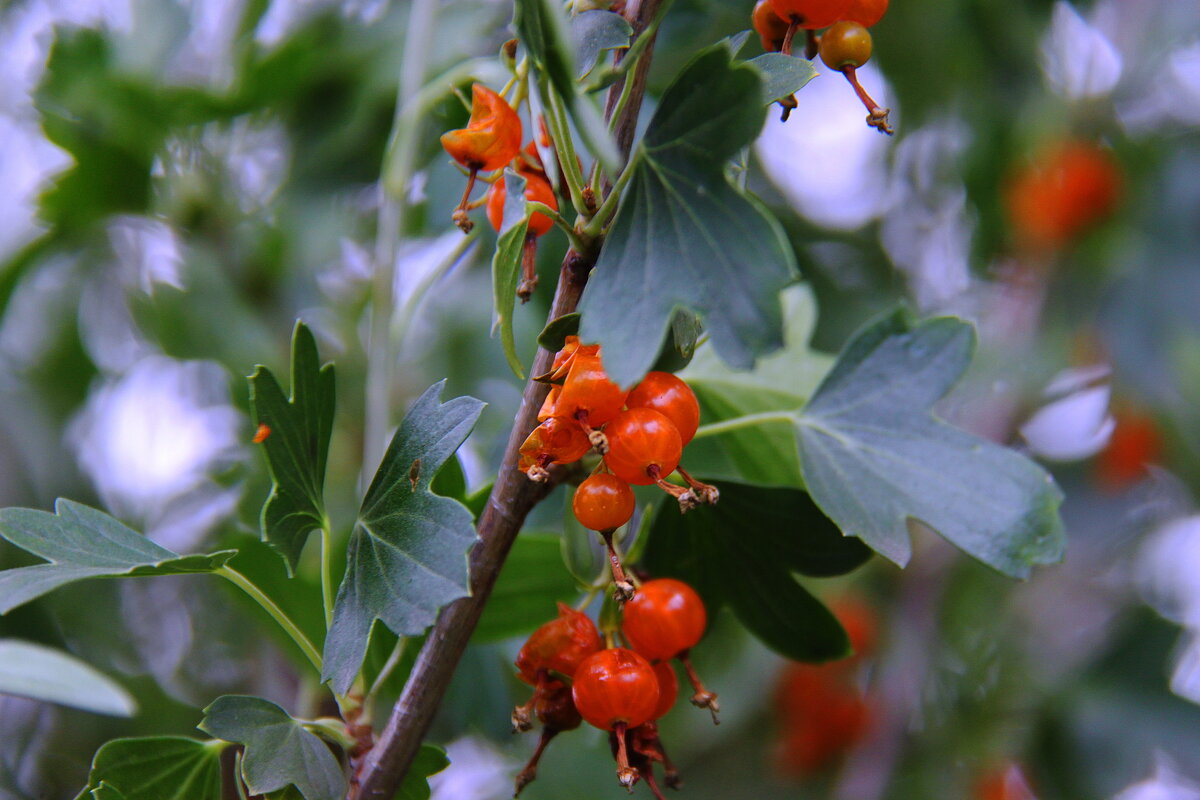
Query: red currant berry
[671,397]
[810,14]
[1072,186]
[536,188]
[845,44]
[615,685]
[668,688]
[866,12]
[603,502]
[588,390]
[555,441]
[771,29]
[559,645]
[665,618]
[642,442]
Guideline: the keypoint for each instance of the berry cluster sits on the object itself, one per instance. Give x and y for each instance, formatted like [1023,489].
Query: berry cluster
[640,435]
[844,47]
[623,690]
[490,142]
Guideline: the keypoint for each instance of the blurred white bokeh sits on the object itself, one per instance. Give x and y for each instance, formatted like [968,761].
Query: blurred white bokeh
[477,771]
[825,160]
[1165,783]
[1077,424]
[1078,59]
[151,438]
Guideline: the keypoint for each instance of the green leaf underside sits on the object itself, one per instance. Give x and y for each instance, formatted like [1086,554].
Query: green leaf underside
[279,751]
[763,454]
[873,456]
[782,75]
[684,237]
[429,761]
[407,553]
[594,32]
[532,582]
[43,673]
[155,768]
[506,266]
[742,552]
[81,542]
[297,447]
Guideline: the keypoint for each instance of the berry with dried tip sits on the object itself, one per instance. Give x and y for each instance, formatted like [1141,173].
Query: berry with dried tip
[845,44]
[810,14]
[555,441]
[671,397]
[643,446]
[603,502]
[615,686]
[665,618]
[492,137]
[536,188]
[559,645]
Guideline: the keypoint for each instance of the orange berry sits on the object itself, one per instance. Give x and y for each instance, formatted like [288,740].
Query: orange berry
[492,137]
[641,439]
[665,618]
[1069,188]
[866,12]
[671,397]
[536,188]
[616,685]
[559,645]
[588,389]
[845,44]
[771,29]
[811,14]
[603,502]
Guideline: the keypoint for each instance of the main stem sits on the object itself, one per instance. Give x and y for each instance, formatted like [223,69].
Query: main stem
[512,497]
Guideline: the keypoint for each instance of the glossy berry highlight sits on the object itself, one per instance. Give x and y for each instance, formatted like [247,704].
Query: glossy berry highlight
[665,618]
[865,12]
[643,446]
[603,502]
[845,44]
[671,397]
[615,686]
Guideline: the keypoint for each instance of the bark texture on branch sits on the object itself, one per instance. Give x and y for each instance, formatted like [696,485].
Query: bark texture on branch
[512,497]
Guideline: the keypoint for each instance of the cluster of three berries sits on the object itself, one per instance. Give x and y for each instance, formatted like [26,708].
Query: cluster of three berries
[640,433]
[618,689]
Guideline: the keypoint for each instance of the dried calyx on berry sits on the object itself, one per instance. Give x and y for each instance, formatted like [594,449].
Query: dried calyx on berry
[491,139]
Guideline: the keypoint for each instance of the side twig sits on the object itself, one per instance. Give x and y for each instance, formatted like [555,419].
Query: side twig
[511,499]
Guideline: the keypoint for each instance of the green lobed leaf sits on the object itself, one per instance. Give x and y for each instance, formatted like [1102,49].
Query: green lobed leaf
[155,768]
[407,553]
[532,582]
[742,552]
[279,750]
[43,673]
[429,760]
[782,75]
[684,237]
[763,454]
[81,542]
[593,32]
[297,447]
[506,266]
[874,456]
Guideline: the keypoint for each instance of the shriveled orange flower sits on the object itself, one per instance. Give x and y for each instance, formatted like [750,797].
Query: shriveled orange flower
[492,136]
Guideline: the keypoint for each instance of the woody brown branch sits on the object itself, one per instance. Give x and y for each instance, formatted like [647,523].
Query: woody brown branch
[512,497]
